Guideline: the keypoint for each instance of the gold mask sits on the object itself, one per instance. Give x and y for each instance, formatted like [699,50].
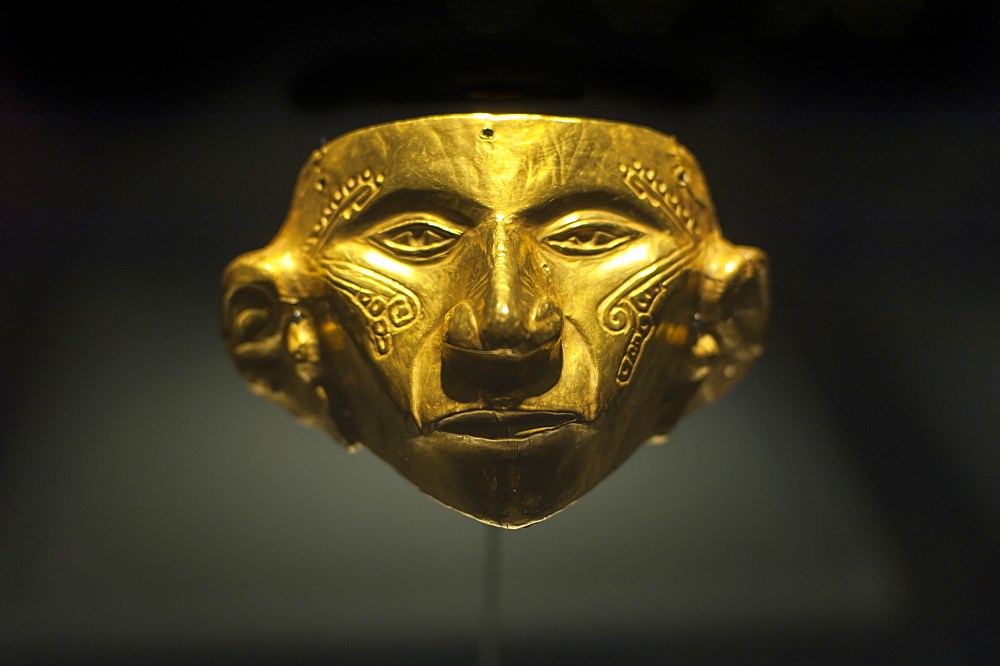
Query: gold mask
[501,307]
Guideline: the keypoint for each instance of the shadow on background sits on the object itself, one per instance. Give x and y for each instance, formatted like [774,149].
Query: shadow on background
[840,504]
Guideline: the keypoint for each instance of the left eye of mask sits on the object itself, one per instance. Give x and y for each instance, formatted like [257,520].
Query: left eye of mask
[417,238]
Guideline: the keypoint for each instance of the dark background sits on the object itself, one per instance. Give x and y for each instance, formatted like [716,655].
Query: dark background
[841,504]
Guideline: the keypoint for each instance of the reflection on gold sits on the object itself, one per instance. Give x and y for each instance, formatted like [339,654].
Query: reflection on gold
[501,307]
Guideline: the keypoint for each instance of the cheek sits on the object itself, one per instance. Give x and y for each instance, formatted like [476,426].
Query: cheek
[642,321]
[388,309]
[584,283]
[613,301]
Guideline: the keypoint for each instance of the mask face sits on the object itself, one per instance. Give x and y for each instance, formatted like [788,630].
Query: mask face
[501,307]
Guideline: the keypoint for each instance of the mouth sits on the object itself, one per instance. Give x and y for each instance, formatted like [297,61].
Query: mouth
[513,424]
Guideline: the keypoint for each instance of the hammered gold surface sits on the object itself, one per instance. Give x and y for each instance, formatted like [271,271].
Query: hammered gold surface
[501,307]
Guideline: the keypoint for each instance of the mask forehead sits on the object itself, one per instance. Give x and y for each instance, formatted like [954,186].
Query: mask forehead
[510,164]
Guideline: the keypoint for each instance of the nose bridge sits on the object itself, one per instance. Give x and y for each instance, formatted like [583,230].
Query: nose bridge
[506,284]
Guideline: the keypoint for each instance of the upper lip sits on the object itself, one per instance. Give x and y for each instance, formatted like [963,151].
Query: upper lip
[507,424]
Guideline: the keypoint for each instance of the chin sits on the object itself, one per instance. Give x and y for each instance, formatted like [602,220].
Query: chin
[507,481]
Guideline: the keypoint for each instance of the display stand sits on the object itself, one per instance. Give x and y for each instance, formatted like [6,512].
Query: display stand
[489,631]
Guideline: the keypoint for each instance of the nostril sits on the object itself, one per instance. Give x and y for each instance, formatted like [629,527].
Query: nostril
[501,360]
[545,321]
[463,331]
[544,309]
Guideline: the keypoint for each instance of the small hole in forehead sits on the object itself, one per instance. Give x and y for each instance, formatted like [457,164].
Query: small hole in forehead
[487,134]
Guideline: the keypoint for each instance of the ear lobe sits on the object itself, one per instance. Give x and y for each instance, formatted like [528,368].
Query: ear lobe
[274,341]
[252,324]
[735,302]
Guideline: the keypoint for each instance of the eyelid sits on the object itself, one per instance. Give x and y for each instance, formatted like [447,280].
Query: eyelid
[597,217]
[405,219]
[594,223]
[386,236]
[621,229]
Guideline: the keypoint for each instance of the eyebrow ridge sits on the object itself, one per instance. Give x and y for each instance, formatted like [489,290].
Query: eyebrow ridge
[550,211]
[455,208]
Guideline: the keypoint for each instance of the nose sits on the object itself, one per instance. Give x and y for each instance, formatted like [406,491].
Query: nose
[503,340]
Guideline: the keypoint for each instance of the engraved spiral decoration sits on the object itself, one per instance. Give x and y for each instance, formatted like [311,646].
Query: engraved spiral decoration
[617,317]
[631,307]
[387,305]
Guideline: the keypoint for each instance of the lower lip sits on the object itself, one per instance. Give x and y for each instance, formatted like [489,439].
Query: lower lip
[503,425]
[556,435]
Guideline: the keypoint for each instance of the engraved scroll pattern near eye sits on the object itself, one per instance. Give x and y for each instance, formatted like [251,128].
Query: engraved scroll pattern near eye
[631,306]
[387,305]
[343,203]
[646,186]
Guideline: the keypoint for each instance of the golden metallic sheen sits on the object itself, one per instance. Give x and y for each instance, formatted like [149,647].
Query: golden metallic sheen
[501,307]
